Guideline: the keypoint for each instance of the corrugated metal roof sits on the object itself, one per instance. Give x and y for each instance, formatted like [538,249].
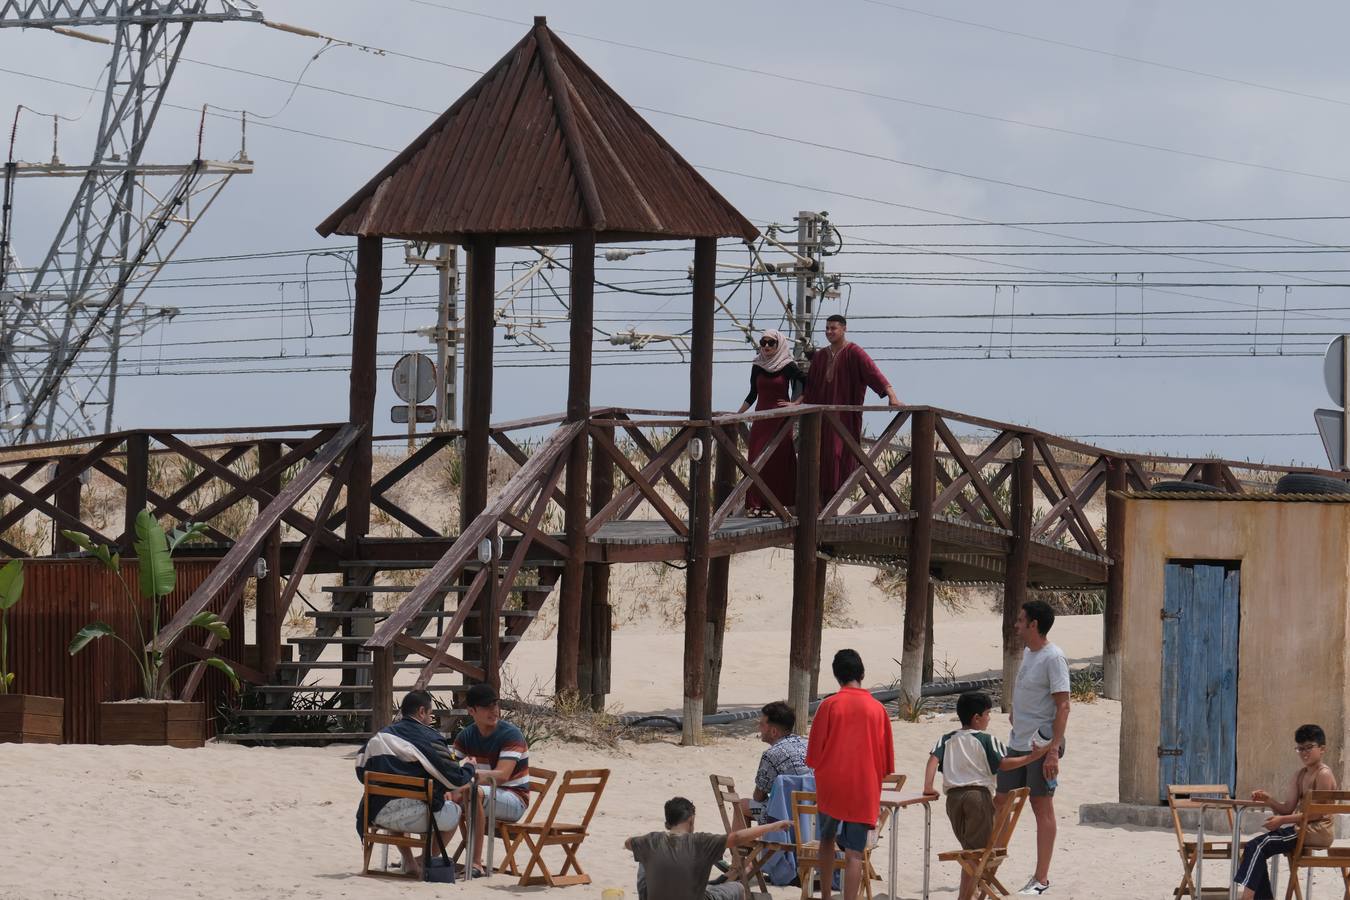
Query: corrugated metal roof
[540,144]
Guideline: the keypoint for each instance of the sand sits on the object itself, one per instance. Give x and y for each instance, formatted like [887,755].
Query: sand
[226,821]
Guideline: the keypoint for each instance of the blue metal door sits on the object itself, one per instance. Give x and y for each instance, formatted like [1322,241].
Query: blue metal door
[1199,675]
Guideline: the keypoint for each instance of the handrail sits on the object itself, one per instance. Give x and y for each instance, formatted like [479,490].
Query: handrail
[448,566]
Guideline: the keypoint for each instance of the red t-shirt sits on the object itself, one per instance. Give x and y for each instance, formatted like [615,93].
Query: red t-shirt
[851,750]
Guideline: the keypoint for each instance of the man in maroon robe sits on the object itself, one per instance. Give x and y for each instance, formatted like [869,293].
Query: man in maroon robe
[841,372]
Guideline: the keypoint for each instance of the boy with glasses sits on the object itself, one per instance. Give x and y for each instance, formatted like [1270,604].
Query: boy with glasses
[1310,742]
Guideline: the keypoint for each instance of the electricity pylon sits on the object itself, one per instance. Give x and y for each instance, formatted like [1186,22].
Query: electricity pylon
[61,329]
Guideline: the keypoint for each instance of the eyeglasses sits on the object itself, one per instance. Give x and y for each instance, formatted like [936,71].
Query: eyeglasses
[768,342]
[1305,748]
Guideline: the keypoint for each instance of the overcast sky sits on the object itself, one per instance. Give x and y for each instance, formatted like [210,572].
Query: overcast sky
[875,72]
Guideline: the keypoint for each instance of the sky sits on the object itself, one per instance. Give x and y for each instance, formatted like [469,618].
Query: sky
[907,121]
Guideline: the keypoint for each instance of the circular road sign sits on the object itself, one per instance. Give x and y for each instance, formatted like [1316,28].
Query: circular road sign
[414,378]
[1333,372]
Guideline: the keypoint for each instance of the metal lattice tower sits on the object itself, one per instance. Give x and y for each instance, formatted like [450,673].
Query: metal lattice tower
[62,328]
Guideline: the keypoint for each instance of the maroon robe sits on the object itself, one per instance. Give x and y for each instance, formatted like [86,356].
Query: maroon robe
[841,379]
[780,471]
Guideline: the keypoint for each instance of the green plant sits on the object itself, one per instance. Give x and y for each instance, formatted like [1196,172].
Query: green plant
[157,577]
[11,587]
[1083,685]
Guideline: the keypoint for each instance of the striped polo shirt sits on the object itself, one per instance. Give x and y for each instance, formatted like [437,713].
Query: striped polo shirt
[505,742]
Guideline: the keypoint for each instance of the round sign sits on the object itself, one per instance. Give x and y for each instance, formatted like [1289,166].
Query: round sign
[414,378]
[1333,371]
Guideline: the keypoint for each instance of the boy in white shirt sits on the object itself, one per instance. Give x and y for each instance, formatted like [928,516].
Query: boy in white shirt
[969,760]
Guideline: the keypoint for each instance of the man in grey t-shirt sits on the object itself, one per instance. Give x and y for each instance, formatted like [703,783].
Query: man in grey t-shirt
[1040,713]
[674,864]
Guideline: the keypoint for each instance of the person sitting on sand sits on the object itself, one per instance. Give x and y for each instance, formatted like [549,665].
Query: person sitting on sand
[492,741]
[1282,828]
[969,761]
[674,864]
[786,754]
[412,747]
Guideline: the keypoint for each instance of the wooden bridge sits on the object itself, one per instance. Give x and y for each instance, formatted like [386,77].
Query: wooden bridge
[942,495]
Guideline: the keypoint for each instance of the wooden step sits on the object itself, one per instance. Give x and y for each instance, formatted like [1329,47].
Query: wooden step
[353,688]
[298,713]
[358,641]
[404,589]
[355,665]
[425,614]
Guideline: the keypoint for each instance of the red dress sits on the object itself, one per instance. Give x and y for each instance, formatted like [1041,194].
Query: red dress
[841,379]
[780,472]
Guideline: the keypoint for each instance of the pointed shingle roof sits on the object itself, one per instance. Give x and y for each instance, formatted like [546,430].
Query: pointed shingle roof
[539,145]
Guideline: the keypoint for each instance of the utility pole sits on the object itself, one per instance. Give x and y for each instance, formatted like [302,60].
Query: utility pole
[445,334]
[815,237]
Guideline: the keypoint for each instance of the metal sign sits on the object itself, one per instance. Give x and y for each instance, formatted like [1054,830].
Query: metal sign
[1331,426]
[1333,370]
[414,378]
[399,414]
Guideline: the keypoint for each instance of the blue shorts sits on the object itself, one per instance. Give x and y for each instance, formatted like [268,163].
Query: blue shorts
[846,835]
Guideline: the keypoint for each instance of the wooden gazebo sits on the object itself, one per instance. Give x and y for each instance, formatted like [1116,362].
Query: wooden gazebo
[541,151]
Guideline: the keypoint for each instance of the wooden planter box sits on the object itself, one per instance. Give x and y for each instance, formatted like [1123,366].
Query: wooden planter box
[26,719]
[158,723]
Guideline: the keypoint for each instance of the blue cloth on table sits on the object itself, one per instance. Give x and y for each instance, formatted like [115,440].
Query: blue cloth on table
[782,869]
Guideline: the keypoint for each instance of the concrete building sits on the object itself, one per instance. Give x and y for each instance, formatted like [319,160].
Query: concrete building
[1237,609]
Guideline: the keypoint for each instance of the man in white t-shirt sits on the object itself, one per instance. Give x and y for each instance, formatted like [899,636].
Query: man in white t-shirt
[1040,713]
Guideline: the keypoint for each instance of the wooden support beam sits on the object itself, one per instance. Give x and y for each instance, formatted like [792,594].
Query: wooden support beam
[719,576]
[571,597]
[818,622]
[804,570]
[1113,616]
[1212,473]
[138,483]
[700,487]
[68,501]
[270,613]
[382,687]
[1019,561]
[478,368]
[601,615]
[361,393]
[923,493]
[928,637]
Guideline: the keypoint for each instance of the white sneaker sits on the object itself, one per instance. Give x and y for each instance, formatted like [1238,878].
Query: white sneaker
[1034,888]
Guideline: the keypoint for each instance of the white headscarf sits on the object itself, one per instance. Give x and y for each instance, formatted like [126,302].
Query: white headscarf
[780,356]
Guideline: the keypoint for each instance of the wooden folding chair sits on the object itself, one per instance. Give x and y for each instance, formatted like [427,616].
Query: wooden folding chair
[807,848]
[893,782]
[1317,805]
[540,781]
[379,784]
[749,860]
[982,864]
[585,784]
[1188,796]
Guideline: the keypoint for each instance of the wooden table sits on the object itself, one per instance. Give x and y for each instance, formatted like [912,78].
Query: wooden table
[1238,807]
[896,801]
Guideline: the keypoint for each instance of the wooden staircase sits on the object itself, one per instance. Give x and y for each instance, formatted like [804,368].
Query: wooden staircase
[329,671]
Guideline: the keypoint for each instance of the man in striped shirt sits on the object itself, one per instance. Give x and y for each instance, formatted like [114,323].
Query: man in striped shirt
[500,746]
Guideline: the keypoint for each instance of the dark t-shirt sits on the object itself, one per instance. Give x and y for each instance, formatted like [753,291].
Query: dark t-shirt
[676,866]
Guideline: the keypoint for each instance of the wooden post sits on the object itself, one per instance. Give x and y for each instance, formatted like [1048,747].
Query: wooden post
[270,613]
[365,346]
[1019,561]
[138,483]
[482,253]
[575,516]
[928,636]
[818,621]
[719,579]
[923,474]
[804,568]
[1113,616]
[492,599]
[68,501]
[1211,473]
[381,687]
[700,487]
[478,333]
[602,491]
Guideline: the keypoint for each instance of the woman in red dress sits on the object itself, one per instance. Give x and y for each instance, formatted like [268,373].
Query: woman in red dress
[771,380]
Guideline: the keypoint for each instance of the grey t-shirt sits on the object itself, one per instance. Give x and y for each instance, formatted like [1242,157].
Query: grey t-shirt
[676,866]
[1043,672]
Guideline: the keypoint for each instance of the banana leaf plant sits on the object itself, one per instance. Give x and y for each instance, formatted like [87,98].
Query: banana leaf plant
[11,588]
[157,577]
